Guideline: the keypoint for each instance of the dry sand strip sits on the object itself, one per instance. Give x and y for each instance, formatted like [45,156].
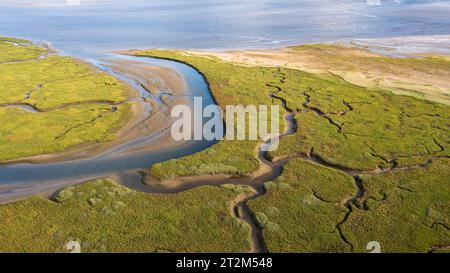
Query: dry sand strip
[357,63]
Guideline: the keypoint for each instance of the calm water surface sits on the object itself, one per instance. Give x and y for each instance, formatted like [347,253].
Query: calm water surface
[98,25]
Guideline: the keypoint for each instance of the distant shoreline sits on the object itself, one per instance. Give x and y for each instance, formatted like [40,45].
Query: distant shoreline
[390,46]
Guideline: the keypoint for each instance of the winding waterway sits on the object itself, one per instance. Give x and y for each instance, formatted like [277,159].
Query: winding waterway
[117,161]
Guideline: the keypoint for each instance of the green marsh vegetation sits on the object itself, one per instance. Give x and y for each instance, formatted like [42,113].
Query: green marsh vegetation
[105,217]
[11,52]
[389,140]
[24,134]
[406,211]
[301,209]
[307,209]
[13,40]
[343,124]
[363,129]
[55,81]
[73,102]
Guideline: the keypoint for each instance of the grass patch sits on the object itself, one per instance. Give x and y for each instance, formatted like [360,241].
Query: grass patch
[106,217]
[25,134]
[407,211]
[13,40]
[301,208]
[10,52]
[52,85]
[380,128]
[57,80]
[231,158]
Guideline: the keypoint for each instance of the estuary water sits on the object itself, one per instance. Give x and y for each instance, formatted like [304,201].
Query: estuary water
[114,160]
